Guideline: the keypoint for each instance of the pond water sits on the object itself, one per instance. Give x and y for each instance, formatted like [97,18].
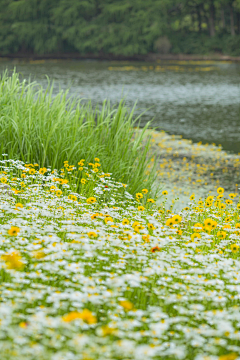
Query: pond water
[198,100]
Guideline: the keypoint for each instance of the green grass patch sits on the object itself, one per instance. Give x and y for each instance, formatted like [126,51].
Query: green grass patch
[37,127]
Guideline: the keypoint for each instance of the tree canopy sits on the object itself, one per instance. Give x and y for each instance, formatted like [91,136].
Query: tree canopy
[120,27]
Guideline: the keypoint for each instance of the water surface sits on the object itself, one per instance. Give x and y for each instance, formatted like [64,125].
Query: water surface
[199,100]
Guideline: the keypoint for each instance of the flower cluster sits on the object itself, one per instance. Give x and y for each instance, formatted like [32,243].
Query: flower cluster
[90,272]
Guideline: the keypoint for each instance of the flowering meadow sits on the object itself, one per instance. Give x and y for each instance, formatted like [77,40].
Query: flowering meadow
[90,272]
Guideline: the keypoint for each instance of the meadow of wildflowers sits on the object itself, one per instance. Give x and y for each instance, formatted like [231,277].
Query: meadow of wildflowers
[90,272]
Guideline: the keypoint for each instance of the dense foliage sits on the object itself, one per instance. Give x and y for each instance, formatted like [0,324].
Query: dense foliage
[119,27]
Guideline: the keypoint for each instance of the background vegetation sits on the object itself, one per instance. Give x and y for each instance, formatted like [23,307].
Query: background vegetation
[119,27]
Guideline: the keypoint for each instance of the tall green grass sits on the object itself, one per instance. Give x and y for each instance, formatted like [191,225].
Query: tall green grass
[36,126]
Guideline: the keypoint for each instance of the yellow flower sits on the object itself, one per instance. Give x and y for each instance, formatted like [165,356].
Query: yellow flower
[92,234]
[58,192]
[42,171]
[231,356]
[141,208]
[164,192]
[192,197]
[135,224]
[108,219]
[208,229]
[80,169]
[232,195]
[151,226]
[208,222]
[208,203]
[220,190]
[210,198]
[106,330]
[221,234]
[179,232]
[23,325]
[139,227]
[170,222]
[19,206]
[228,201]
[72,197]
[32,171]
[144,191]
[126,304]
[13,231]
[177,219]
[222,206]
[15,190]
[3,180]
[13,260]
[234,248]
[146,237]
[139,195]
[195,236]
[150,201]
[238,206]
[228,226]
[38,254]
[125,222]
[214,224]
[85,315]
[91,200]
[97,159]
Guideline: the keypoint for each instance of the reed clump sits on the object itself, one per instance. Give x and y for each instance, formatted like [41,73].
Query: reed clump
[36,126]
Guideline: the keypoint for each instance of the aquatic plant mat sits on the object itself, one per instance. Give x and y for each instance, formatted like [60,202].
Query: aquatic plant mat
[98,274]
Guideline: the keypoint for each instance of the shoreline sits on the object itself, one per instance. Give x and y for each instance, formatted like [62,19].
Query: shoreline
[184,168]
[151,57]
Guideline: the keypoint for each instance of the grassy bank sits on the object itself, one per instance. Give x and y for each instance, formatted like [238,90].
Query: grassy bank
[38,128]
[102,275]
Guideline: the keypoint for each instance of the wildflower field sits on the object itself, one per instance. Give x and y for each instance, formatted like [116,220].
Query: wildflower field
[91,272]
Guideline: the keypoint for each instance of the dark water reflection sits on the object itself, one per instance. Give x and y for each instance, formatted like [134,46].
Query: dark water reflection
[200,101]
